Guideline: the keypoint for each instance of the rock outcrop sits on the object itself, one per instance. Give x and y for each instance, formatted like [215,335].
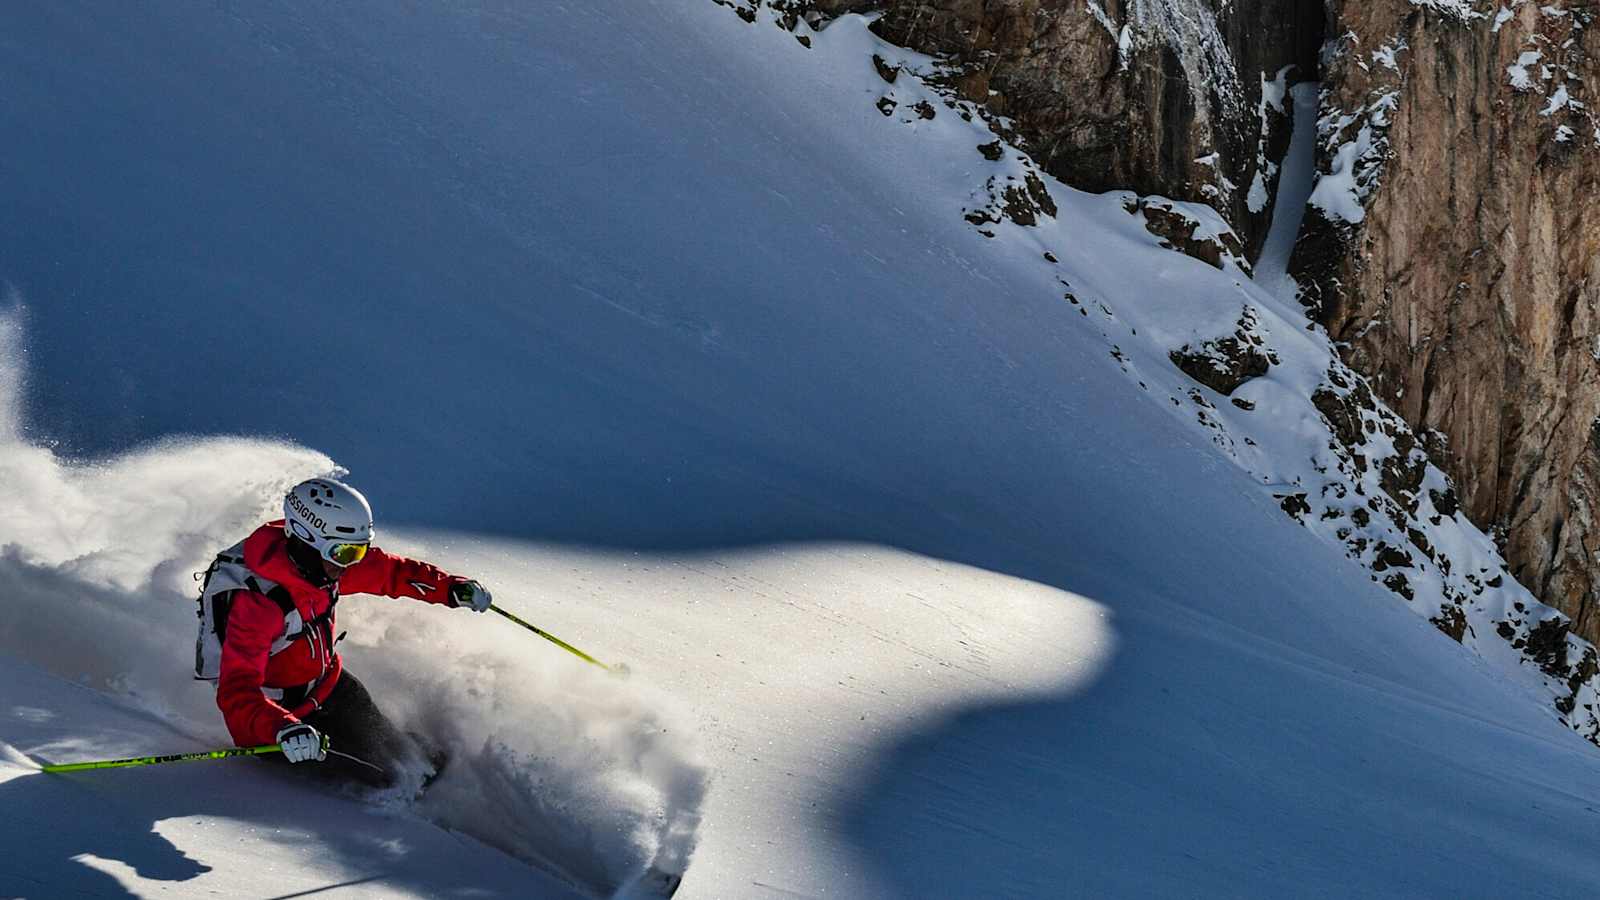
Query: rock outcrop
[1223,364]
[1178,98]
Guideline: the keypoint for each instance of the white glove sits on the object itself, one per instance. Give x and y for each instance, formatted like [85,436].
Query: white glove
[470,595]
[301,743]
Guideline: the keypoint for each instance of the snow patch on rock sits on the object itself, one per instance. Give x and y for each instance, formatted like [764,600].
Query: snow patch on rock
[1190,28]
[1356,162]
[1274,97]
[1455,10]
[1518,71]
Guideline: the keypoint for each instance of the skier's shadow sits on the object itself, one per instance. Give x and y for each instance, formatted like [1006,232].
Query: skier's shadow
[53,823]
[70,834]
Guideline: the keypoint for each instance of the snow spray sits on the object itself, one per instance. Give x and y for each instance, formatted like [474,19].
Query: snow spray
[585,775]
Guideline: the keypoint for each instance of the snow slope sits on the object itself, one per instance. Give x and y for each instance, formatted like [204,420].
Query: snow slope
[653,321]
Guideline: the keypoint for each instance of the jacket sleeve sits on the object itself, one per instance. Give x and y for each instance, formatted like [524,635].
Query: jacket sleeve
[254,622]
[396,576]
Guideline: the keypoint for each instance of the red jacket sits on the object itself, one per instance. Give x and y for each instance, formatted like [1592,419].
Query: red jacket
[255,622]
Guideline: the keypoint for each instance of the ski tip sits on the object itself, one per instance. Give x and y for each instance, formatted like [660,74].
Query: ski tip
[620,670]
[13,756]
[654,884]
[10,755]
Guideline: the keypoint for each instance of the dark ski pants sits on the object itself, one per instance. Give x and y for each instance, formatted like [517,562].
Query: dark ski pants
[363,744]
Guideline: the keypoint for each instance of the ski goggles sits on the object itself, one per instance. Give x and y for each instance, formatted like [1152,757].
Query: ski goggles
[347,554]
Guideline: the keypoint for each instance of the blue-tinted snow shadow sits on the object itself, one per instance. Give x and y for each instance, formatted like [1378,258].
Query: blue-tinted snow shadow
[1190,769]
[626,319]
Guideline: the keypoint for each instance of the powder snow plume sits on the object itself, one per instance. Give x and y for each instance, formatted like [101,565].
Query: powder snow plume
[575,771]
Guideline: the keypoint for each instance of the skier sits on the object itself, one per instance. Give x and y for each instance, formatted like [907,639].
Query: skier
[267,633]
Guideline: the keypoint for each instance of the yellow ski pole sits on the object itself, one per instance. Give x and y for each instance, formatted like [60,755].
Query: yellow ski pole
[225,753]
[618,669]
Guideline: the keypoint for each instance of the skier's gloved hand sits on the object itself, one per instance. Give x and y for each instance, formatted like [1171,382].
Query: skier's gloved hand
[470,595]
[301,743]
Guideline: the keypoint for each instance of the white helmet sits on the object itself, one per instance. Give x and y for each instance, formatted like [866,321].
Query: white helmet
[331,517]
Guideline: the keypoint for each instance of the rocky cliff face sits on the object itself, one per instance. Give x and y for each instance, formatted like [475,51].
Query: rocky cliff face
[1181,98]
[1452,245]
[1451,239]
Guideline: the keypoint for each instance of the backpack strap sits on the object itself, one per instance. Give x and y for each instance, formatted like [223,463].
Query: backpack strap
[277,593]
